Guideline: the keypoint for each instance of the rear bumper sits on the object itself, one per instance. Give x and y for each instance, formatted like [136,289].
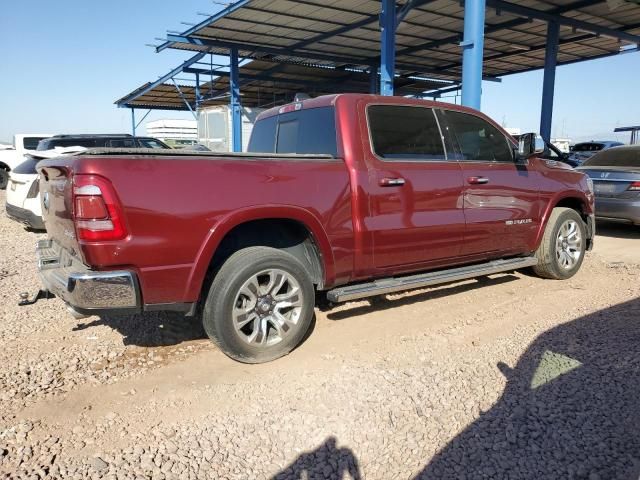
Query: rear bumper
[622,210]
[86,291]
[25,216]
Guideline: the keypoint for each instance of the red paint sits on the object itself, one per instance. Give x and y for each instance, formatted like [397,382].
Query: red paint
[177,210]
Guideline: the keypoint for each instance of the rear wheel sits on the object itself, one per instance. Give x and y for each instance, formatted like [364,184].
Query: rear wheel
[4,178]
[563,245]
[260,305]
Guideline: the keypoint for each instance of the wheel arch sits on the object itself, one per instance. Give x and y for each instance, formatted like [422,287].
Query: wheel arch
[576,200]
[290,228]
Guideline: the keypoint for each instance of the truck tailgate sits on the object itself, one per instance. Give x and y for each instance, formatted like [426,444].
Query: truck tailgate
[56,192]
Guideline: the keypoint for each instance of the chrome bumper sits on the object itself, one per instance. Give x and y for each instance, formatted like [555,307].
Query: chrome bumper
[86,291]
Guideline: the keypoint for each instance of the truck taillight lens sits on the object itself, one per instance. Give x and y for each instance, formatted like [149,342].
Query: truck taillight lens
[96,209]
[634,187]
[34,189]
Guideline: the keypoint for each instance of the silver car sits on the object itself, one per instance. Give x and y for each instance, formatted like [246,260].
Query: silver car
[616,178]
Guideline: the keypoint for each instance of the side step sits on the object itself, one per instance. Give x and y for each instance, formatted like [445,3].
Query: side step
[399,284]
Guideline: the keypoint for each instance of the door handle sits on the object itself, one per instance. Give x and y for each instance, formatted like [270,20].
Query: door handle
[477,180]
[391,182]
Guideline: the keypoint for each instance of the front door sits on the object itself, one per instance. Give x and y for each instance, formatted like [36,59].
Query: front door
[501,197]
[416,216]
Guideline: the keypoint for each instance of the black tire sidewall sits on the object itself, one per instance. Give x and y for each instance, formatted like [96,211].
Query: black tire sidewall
[217,317]
[4,179]
[560,272]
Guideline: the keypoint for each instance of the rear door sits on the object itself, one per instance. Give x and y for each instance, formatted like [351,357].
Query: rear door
[501,205]
[415,192]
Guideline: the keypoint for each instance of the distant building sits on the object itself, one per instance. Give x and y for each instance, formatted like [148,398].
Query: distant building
[562,144]
[176,133]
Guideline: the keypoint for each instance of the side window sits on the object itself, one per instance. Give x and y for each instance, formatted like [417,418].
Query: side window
[477,139]
[404,133]
[30,143]
[150,143]
[121,143]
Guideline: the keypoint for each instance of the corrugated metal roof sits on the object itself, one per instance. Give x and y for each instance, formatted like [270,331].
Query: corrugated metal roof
[346,32]
[265,84]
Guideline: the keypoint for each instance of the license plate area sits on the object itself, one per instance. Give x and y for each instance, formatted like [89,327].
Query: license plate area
[606,188]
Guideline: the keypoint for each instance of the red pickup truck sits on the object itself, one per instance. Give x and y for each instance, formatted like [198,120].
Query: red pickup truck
[349,195]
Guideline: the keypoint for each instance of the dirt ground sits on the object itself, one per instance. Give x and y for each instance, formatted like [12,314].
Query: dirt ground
[504,377]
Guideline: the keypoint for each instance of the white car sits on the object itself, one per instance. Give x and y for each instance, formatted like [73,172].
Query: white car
[23,189]
[13,156]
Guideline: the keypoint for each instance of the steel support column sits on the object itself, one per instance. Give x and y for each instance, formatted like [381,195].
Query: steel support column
[388,46]
[373,79]
[548,86]
[133,122]
[197,91]
[236,108]
[472,48]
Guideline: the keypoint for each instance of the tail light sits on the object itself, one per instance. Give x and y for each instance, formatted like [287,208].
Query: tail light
[96,209]
[634,187]
[34,189]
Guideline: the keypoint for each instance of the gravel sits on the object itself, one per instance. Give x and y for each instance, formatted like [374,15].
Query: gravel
[521,378]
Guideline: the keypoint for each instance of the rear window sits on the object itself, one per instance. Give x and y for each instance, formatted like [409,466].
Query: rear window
[588,147]
[311,132]
[614,157]
[28,166]
[153,143]
[31,143]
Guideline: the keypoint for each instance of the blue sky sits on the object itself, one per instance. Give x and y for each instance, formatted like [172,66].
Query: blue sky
[64,63]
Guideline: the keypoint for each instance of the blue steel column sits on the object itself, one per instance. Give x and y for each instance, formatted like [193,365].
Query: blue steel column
[388,46]
[133,122]
[197,92]
[236,109]
[373,79]
[548,86]
[472,48]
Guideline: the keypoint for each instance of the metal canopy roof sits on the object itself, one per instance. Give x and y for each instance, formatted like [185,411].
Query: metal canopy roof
[264,86]
[342,33]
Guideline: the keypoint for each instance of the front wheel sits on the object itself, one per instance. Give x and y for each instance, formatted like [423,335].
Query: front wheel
[260,305]
[563,245]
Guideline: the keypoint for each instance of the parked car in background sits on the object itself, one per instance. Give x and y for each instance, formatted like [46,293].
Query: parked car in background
[616,176]
[101,141]
[351,195]
[582,151]
[13,156]
[23,194]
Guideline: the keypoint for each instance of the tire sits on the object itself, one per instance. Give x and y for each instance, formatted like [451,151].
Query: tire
[563,245]
[4,178]
[248,316]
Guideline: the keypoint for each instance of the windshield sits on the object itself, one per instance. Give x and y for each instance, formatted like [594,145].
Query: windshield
[615,157]
[588,147]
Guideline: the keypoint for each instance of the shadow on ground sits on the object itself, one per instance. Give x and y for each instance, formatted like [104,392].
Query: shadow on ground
[327,462]
[380,303]
[571,408]
[617,230]
[152,329]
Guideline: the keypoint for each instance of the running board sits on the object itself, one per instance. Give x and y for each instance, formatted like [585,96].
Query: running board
[399,284]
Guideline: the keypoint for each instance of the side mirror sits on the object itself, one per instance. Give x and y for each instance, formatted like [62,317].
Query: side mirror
[529,144]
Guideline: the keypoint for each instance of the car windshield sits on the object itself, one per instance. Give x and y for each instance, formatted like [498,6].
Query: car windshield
[588,147]
[615,157]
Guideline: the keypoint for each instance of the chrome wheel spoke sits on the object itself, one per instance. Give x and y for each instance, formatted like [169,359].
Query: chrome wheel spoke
[267,307]
[568,244]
